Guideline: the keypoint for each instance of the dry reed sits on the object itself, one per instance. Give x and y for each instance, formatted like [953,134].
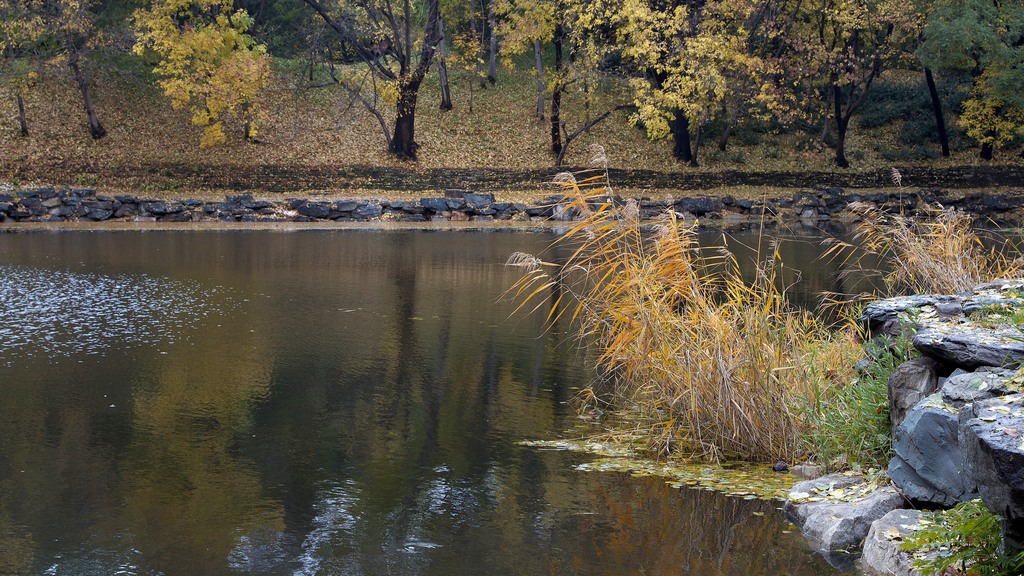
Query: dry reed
[716,367]
[942,253]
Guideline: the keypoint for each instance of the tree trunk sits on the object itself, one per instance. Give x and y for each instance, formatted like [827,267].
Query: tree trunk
[539,63]
[9,54]
[569,138]
[403,143]
[826,123]
[492,54]
[95,128]
[730,125]
[21,116]
[723,140]
[442,68]
[479,53]
[987,150]
[248,127]
[696,146]
[556,94]
[681,137]
[940,121]
[842,122]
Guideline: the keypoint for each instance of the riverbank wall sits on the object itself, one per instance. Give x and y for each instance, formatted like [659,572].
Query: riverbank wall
[75,204]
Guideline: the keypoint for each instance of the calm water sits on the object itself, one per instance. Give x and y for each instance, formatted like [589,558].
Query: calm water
[338,403]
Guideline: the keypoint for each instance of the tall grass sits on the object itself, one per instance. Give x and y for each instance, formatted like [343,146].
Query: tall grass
[942,253]
[715,366]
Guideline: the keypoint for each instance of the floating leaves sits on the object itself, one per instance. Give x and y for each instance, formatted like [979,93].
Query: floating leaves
[745,481]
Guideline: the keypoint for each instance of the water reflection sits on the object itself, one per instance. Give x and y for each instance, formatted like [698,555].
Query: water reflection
[326,403]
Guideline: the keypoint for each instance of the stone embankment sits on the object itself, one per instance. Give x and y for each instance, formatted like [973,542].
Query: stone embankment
[957,416]
[49,204]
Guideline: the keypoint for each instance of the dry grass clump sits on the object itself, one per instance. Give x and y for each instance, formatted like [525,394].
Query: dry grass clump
[716,367]
[942,253]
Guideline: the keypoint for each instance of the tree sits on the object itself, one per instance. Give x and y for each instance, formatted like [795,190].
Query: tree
[584,28]
[940,119]
[442,66]
[71,24]
[207,61]
[985,40]
[20,27]
[525,25]
[384,36]
[672,87]
[492,44]
[850,42]
[693,62]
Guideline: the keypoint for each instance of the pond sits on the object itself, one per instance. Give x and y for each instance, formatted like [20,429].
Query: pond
[321,402]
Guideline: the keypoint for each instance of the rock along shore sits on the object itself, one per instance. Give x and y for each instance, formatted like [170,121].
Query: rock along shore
[813,207]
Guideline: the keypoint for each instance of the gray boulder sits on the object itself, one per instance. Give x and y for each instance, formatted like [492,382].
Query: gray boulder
[699,206]
[563,212]
[1001,285]
[808,471]
[911,382]
[1001,293]
[929,464]
[344,205]
[992,435]
[157,208]
[981,302]
[970,347]
[966,387]
[314,209]
[367,211]
[836,529]
[878,317]
[882,555]
[434,204]
[478,200]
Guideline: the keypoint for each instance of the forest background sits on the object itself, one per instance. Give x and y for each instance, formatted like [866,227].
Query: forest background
[321,95]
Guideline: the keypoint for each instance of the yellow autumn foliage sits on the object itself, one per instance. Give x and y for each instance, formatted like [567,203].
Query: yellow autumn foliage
[208,62]
[987,118]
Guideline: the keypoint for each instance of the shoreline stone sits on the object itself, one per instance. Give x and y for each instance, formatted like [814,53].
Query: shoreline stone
[836,528]
[928,465]
[882,555]
[809,208]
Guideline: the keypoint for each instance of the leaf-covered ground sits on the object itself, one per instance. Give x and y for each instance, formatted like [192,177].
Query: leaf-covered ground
[313,142]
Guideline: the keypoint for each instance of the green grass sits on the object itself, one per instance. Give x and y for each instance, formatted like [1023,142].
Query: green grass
[848,425]
[967,539]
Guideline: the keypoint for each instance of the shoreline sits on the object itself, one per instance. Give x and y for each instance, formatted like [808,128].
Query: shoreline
[66,207]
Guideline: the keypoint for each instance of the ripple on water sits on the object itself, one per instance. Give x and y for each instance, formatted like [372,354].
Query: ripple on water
[58,313]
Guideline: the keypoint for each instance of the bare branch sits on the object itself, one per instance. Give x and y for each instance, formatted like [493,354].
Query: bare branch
[352,40]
